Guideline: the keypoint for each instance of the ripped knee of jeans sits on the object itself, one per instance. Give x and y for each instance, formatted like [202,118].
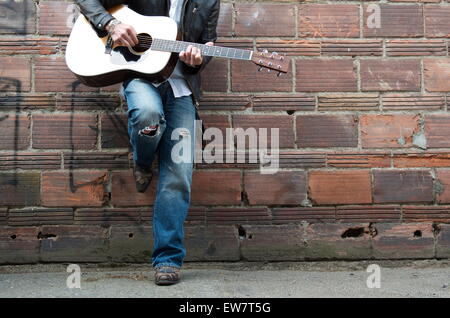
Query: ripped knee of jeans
[149,130]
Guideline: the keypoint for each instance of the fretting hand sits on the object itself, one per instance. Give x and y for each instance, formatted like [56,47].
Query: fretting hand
[193,55]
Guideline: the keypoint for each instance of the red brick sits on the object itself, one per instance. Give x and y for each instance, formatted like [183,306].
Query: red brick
[338,102]
[215,76]
[273,243]
[74,188]
[215,121]
[352,47]
[301,159]
[52,75]
[437,130]
[287,102]
[359,159]
[124,191]
[241,215]
[344,241]
[97,160]
[408,160]
[59,131]
[327,131]
[260,19]
[284,123]
[225,23]
[397,241]
[437,74]
[3,216]
[15,130]
[23,45]
[413,102]
[443,179]
[399,186]
[29,160]
[115,131]
[290,47]
[437,23]
[246,78]
[395,21]
[40,216]
[308,214]
[27,101]
[18,17]
[15,74]
[340,187]
[216,187]
[19,245]
[286,187]
[329,20]
[443,241]
[415,47]
[79,102]
[132,243]
[390,75]
[388,131]
[113,216]
[224,102]
[56,17]
[331,75]
[20,189]
[416,213]
[356,213]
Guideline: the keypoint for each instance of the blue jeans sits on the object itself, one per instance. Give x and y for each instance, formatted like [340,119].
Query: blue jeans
[150,107]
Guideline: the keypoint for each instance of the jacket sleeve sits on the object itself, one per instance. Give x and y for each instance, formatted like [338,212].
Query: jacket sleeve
[209,35]
[95,12]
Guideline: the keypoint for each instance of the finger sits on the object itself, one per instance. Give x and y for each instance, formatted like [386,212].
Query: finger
[126,40]
[182,56]
[198,58]
[194,52]
[132,33]
[209,43]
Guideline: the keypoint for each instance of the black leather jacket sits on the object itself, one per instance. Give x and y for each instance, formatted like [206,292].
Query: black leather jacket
[198,24]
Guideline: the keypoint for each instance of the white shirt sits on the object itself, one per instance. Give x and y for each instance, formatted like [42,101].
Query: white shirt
[176,79]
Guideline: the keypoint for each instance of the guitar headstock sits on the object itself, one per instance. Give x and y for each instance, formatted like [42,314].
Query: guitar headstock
[271,61]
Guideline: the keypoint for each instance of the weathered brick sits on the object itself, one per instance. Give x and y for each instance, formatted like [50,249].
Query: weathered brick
[18,17]
[56,17]
[399,186]
[97,160]
[15,74]
[133,244]
[359,159]
[390,75]
[389,131]
[19,245]
[352,47]
[416,213]
[437,129]
[437,73]
[415,47]
[74,188]
[211,243]
[216,187]
[3,216]
[225,23]
[327,131]
[221,122]
[308,214]
[260,19]
[23,45]
[272,242]
[290,47]
[437,23]
[69,131]
[52,75]
[20,189]
[339,102]
[113,216]
[286,187]
[286,102]
[246,78]
[224,102]
[73,243]
[40,216]
[347,214]
[343,241]
[299,159]
[443,179]
[443,241]
[114,132]
[284,123]
[331,75]
[241,215]
[409,160]
[78,102]
[124,191]
[215,76]
[15,130]
[395,21]
[340,187]
[19,102]
[409,240]
[413,101]
[329,20]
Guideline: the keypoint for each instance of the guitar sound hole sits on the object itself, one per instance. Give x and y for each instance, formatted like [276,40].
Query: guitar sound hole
[145,42]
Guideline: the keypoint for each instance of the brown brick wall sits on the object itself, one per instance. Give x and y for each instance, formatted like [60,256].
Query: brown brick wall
[364,140]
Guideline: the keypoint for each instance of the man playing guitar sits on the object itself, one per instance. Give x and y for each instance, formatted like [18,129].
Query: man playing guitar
[156,110]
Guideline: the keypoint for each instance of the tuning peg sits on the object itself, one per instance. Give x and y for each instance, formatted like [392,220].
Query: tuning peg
[268,70]
[279,74]
[260,69]
[265,51]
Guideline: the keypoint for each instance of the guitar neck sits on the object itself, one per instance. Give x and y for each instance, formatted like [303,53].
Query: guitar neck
[206,50]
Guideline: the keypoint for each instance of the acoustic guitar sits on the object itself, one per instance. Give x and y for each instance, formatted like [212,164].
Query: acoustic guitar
[99,62]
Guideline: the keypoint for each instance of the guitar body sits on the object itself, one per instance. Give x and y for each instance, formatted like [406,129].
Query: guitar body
[86,57]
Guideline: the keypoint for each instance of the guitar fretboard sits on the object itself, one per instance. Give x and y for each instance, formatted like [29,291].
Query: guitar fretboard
[217,51]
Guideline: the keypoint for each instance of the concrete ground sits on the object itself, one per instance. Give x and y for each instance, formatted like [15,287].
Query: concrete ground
[428,278]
